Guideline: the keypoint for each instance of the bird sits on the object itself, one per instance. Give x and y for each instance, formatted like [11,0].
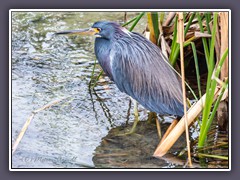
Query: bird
[137,67]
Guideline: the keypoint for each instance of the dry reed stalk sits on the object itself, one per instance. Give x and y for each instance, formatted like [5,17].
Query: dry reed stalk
[22,132]
[222,112]
[27,123]
[162,41]
[224,42]
[169,19]
[173,136]
[181,41]
[170,128]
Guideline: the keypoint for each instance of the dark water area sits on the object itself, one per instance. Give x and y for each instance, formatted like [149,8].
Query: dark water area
[71,133]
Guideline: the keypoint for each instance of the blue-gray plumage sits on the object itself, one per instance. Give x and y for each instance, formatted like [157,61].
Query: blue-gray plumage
[137,67]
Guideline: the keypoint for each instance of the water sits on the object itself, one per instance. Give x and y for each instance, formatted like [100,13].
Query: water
[46,68]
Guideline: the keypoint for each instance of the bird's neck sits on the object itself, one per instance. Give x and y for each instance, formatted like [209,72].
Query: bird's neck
[102,51]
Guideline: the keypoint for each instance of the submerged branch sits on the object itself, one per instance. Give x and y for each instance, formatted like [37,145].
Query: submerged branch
[27,123]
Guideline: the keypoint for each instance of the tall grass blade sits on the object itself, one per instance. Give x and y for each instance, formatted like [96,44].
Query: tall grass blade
[208,19]
[213,156]
[151,27]
[214,83]
[175,48]
[197,68]
[161,17]
[96,80]
[209,122]
[211,85]
[204,40]
[174,43]
[136,21]
[129,22]
[189,23]
[155,24]
[92,73]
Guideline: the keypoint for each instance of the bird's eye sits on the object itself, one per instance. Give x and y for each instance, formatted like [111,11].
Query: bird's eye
[99,29]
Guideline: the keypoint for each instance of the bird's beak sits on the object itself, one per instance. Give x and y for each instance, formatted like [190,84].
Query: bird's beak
[88,31]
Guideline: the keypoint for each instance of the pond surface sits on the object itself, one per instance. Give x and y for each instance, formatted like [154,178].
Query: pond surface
[46,68]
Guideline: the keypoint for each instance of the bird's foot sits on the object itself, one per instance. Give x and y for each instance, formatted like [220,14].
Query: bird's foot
[132,130]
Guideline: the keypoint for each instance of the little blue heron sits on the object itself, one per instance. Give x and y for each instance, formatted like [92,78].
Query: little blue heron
[137,67]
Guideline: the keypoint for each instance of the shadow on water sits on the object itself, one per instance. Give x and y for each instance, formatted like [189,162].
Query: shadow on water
[118,150]
[104,107]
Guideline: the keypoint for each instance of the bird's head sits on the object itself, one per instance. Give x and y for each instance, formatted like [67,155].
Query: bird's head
[106,29]
[103,29]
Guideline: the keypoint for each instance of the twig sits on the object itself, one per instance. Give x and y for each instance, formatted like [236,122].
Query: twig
[200,34]
[25,126]
[125,17]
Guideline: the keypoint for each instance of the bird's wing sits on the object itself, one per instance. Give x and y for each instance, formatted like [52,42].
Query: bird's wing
[139,70]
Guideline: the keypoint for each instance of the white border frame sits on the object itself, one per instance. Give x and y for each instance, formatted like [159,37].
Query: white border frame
[110,10]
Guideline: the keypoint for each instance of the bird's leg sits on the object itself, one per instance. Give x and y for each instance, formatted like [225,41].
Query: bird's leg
[136,117]
[170,128]
[158,128]
[151,117]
